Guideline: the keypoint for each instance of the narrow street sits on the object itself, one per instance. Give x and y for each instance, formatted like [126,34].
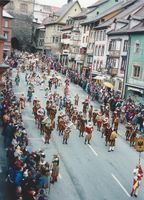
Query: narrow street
[87,172]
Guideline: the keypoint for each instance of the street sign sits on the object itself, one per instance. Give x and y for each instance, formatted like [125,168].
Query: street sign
[139,144]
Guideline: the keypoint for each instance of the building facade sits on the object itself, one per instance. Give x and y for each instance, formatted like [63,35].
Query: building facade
[22,24]
[52,42]
[2,38]
[134,86]
[7,32]
[98,13]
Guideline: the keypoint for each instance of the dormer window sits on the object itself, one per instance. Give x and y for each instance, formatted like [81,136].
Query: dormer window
[137,47]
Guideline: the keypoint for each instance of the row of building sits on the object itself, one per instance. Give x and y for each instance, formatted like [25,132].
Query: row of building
[105,40]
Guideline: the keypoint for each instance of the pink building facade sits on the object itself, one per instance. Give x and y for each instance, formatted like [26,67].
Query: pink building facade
[7,32]
[2,38]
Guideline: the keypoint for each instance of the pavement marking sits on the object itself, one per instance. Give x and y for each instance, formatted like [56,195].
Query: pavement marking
[93,150]
[122,187]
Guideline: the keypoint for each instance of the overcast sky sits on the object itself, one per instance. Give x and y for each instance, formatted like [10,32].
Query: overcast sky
[59,3]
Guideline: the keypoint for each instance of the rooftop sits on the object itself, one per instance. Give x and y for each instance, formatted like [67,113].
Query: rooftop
[116,7]
[122,15]
[61,12]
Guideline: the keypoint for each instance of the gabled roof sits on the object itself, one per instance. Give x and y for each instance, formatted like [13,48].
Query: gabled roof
[114,8]
[63,11]
[137,28]
[126,30]
[6,14]
[122,15]
[98,3]
[82,14]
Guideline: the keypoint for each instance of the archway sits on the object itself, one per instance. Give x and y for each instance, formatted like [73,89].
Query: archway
[15,43]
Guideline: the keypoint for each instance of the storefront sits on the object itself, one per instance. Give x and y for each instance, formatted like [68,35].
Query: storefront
[137,94]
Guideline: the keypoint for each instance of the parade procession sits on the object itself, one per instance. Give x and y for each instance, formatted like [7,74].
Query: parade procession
[44,118]
[71,100]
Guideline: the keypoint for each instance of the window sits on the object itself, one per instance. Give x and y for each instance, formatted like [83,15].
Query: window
[6,24]
[41,42]
[84,29]
[24,7]
[136,71]
[6,35]
[101,35]
[87,28]
[101,64]
[99,51]
[84,39]
[102,52]
[137,47]
[115,45]
[112,62]
[92,45]
[104,35]
[89,59]
[97,65]
[124,63]
[97,35]
[125,48]
[55,40]
[96,49]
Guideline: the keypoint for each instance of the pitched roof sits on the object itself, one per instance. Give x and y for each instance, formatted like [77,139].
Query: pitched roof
[6,14]
[98,3]
[116,7]
[82,14]
[62,11]
[122,15]
[126,30]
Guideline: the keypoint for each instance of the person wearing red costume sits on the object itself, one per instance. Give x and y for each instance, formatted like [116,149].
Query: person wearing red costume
[138,174]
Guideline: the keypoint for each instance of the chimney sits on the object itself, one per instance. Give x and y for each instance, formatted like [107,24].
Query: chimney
[69,1]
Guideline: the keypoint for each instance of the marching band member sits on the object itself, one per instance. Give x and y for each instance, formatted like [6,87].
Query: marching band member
[138,174]
[113,137]
[66,135]
[88,130]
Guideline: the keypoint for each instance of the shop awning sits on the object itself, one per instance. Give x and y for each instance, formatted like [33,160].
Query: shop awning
[136,90]
[109,85]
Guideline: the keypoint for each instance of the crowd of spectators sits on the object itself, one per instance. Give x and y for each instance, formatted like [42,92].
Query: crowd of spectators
[28,174]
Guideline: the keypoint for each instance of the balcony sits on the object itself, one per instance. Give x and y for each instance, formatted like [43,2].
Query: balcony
[66,41]
[114,53]
[112,71]
[80,57]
